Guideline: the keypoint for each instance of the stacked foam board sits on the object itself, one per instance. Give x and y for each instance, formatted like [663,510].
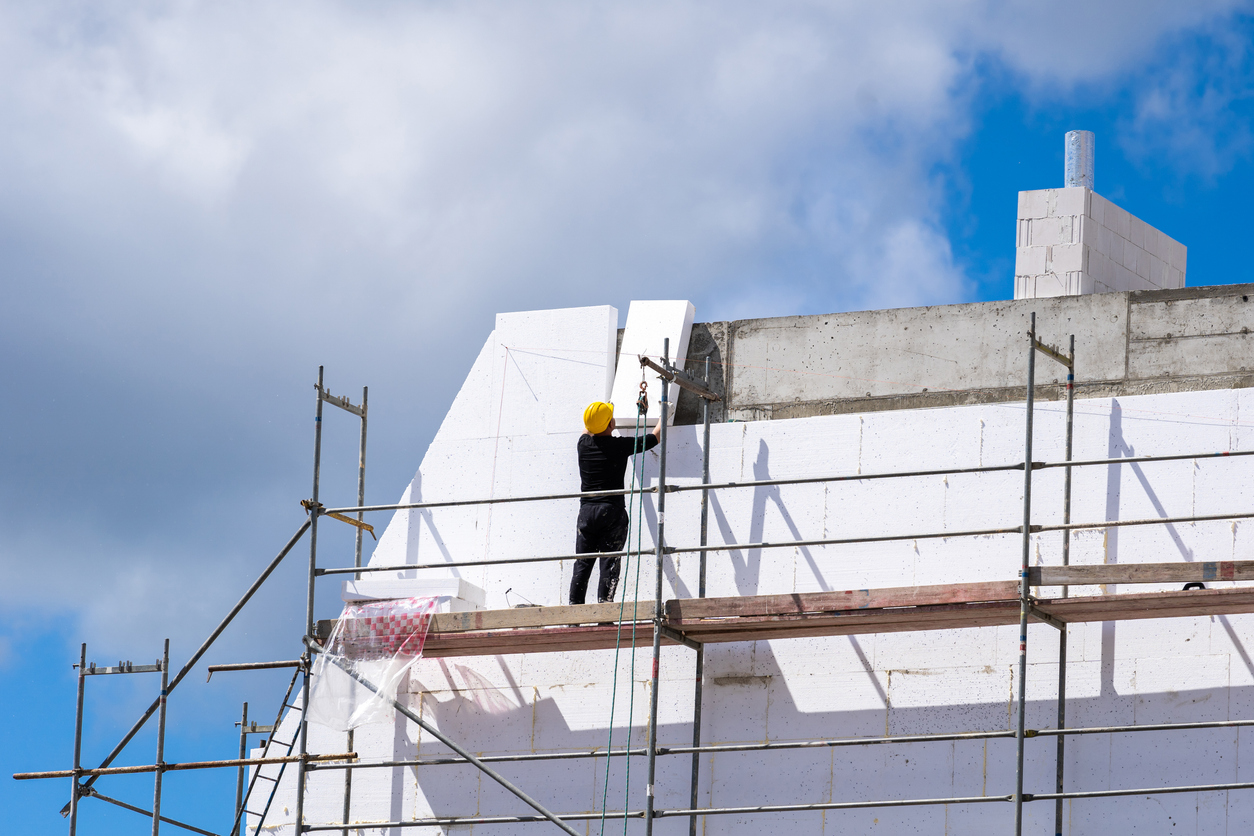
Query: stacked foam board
[535,372]
[1074,241]
[649,325]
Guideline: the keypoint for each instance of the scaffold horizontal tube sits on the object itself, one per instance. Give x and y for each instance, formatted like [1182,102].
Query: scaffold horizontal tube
[451,821]
[1216,724]
[826,541]
[453,503]
[684,750]
[174,767]
[1050,796]
[502,561]
[849,477]
[808,480]
[840,541]
[189,765]
[1175,457]
[1149,521]
[251,666]
[716,748]
[530,756]
[727,547]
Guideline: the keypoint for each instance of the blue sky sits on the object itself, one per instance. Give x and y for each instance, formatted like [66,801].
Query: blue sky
[199,203]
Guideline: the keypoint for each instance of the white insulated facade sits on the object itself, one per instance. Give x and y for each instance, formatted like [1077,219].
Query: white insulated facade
[1073,241]
[511,432]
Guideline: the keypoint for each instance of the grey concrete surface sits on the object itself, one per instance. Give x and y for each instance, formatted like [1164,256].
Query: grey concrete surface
[908,358]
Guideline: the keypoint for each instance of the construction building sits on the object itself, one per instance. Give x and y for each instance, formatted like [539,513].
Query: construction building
[848,605]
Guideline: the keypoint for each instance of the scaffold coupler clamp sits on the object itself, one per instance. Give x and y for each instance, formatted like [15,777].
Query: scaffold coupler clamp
[311,506]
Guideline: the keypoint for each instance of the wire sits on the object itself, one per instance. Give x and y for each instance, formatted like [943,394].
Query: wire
[635,604]
[633,493]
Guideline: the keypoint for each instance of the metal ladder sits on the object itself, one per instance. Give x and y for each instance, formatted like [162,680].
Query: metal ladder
[242,813]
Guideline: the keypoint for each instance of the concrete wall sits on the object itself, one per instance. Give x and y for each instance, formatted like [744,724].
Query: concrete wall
[909,358]
[1176,670]
[1074,241]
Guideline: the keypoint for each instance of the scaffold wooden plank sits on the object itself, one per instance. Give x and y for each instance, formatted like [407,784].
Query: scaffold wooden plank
[1204,572]
[770,617]
[539,640]
[682,610]
[1175,604]
[517,617]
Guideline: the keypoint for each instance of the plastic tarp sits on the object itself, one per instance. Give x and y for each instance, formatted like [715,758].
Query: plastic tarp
[377,640]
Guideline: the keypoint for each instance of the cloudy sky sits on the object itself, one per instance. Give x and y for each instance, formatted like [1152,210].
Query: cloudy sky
[202,202]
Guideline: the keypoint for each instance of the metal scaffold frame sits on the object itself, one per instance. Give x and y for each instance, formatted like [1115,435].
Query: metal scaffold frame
[664,631]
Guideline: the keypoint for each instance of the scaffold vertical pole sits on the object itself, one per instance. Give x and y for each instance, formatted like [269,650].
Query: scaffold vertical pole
[1060,759]
[314,509]
[78,737]
[361,482]
[361,500]
[657,609]
[700,667]
[156,791]
[239,773]
[1024,589]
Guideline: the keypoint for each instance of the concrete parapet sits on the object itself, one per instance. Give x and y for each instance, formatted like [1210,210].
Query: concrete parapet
[1189,339]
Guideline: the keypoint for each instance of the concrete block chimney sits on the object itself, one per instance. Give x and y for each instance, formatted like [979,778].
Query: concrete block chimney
[1072,241]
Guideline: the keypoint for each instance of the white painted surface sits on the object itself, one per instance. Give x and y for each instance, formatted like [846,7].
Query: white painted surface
[464,595]
[1074,241]
[1129,672]
[649,324]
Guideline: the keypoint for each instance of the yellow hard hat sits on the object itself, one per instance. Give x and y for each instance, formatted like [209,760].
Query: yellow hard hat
[598,416]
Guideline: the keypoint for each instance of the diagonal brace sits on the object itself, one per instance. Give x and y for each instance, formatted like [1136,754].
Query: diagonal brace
[678,637]
[681,379]
[90,792]
[191,663]
[312,507]
[1040,615]
[478,764]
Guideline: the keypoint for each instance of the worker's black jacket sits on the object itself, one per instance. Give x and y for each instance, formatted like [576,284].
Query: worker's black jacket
[603,464]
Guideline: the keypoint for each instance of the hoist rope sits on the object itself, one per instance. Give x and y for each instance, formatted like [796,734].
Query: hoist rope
[636,519]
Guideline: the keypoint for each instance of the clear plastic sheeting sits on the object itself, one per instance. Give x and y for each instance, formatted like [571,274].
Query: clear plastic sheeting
[377,640]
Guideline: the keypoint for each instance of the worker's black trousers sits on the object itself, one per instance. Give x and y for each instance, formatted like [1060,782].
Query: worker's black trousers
[602,527]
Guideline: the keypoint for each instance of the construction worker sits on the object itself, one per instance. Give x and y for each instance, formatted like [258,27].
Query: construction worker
[603,521]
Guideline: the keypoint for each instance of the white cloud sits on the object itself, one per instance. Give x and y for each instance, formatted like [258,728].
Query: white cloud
[1194,111]
[457,154]
[194,192]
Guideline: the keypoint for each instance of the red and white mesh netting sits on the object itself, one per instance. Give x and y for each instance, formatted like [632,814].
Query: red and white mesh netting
[378,641]
[382,629]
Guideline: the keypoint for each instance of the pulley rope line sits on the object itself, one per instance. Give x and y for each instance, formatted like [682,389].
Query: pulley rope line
[641,408]
[643,404]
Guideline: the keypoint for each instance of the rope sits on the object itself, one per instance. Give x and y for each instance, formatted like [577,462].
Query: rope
[635,602]
[637,498]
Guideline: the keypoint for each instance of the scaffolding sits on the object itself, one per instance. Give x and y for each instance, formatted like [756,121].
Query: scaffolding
[695,622]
